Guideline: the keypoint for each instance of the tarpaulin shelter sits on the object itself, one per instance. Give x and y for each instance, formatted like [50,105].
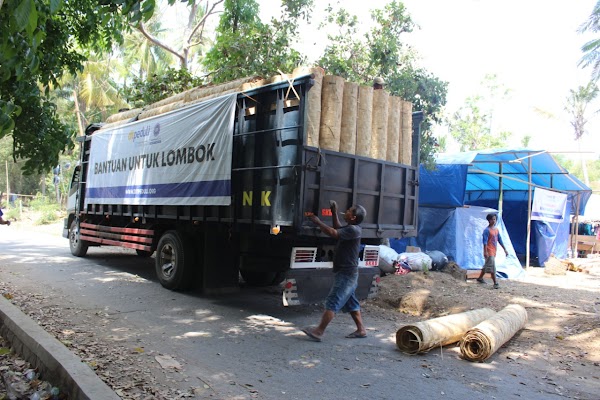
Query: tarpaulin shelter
[501,179]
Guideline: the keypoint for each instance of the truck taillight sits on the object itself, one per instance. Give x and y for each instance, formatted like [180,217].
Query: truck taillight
[288,285]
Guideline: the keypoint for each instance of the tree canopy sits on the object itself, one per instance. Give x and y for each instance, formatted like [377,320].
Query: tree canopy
[245,46]
[381,52]
[41,40]
[471,124]
[577,105]
[591,49]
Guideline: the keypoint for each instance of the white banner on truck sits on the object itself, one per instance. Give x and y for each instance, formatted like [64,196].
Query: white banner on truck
[179,158]
[548,206]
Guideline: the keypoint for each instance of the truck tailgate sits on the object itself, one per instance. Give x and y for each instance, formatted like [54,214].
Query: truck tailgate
[309,286]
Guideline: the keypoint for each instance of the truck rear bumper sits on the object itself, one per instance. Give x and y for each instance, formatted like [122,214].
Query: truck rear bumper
[309,286]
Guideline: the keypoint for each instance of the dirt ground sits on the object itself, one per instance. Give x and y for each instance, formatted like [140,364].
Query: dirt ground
[563,326]
[562,334]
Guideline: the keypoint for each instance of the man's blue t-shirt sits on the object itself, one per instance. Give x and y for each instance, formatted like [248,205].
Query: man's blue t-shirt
[347,248]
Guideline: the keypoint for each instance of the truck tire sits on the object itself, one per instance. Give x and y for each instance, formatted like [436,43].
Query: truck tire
[174,261]
[78,247]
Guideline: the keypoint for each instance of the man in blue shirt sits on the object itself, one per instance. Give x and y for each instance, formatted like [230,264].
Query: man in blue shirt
[345,267]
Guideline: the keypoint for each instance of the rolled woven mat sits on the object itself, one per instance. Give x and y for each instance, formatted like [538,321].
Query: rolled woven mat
[480,342]
[424,336]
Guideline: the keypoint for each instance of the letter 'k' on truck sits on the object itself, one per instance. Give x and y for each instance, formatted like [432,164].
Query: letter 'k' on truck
[218,188]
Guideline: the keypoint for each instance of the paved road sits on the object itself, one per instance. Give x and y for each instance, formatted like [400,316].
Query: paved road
[248,345]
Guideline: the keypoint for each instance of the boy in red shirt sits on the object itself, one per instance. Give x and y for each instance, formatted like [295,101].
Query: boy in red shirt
[491,238]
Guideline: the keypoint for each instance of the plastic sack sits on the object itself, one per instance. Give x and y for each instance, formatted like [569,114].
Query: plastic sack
[402,267]
[438,260]
[417,261]
[387,258]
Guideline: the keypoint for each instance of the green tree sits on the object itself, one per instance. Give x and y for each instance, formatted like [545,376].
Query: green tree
[40,41]
[591,49]
[193,35]
[159,86]
[141,56]
[472,124]
[91,95]
[382,52]
[244,46]
[576,168]
[578,103]
[470,127]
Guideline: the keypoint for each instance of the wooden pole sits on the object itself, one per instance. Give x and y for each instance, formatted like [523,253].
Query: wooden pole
[7,186]
[500,193]
[527,244]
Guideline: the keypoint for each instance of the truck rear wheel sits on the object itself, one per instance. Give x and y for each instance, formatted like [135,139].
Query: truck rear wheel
[174,261]
[78,247]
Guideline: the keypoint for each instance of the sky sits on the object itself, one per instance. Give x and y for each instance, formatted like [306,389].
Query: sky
[531,45]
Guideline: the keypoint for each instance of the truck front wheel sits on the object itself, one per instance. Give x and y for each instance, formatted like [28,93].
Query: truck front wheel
[78,247]
[174,261]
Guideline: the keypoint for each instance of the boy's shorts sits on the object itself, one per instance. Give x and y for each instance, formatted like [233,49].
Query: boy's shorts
[490,264]
[342,296]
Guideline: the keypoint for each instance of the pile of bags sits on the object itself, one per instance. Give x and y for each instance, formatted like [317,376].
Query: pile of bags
[391,262]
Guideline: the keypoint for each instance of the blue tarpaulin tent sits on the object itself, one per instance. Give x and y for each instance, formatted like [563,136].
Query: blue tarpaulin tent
[501,178]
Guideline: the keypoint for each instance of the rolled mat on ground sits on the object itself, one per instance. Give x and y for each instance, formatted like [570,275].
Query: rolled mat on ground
[480,342]
[436,332]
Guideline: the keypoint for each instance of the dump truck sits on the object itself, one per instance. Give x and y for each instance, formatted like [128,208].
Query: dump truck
[217,189]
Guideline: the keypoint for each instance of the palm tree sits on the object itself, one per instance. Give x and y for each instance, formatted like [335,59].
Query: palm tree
[139,52]
[92,93]
[591,49]
[577,106]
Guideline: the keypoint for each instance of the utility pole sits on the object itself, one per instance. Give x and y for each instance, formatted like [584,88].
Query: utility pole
[7,186]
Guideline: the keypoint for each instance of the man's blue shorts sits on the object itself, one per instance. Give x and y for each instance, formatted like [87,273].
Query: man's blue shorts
[342,296]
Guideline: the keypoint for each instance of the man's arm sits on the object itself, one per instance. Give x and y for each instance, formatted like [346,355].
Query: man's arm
[326,229]
[485,238]
[335,219]
[501,243]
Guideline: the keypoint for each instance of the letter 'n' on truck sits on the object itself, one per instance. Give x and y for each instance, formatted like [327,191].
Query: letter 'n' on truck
[217,187]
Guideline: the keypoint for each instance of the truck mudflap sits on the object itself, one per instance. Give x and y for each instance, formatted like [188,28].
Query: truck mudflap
[311,285]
